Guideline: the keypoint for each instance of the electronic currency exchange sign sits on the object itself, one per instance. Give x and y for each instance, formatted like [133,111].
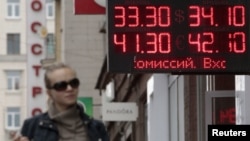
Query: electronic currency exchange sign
[191,36]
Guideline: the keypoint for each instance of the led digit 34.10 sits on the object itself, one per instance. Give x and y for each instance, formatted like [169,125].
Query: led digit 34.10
[174,36]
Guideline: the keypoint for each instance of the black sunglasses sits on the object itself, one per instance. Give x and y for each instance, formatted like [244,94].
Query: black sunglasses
[62,86]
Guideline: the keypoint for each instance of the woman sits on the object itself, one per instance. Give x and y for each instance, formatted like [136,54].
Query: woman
[65,120]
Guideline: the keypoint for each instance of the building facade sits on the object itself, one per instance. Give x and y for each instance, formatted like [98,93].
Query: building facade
[81,43]
[171,107]
[14,61]
[174,107]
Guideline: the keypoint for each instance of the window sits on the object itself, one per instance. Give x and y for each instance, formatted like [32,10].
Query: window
[13,118]
[13,80]
[13,44]
[50,42]
[13,9]
[50,9]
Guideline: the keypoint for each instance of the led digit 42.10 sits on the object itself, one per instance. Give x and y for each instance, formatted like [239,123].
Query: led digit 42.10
[205,42]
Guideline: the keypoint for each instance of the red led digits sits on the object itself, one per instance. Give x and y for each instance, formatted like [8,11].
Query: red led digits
[209,41]
[208,14]
[197,12]
[197,15]
[150,16]
[152,44]
[134,16]
[137,43]
[158,43]
[194,16]
[157,17]
[200,16]
[164,16]
[164,43]
[195,41]
[122,17]
[202,41]
[120,42]
[237,42]
[236,16]
[119,16]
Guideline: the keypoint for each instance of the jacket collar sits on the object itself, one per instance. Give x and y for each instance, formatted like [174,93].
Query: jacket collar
[47,122]
[86,119]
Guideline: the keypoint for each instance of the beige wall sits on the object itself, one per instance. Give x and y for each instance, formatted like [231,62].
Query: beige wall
[83,48]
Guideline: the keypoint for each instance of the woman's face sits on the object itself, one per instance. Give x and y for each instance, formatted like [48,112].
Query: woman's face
[63,94]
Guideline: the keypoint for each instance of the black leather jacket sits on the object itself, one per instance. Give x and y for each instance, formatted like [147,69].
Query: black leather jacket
[42,128]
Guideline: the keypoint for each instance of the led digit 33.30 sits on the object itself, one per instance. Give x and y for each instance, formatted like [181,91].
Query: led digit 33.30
[194,36]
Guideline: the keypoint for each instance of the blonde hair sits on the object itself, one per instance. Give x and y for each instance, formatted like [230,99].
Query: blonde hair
[51,68]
